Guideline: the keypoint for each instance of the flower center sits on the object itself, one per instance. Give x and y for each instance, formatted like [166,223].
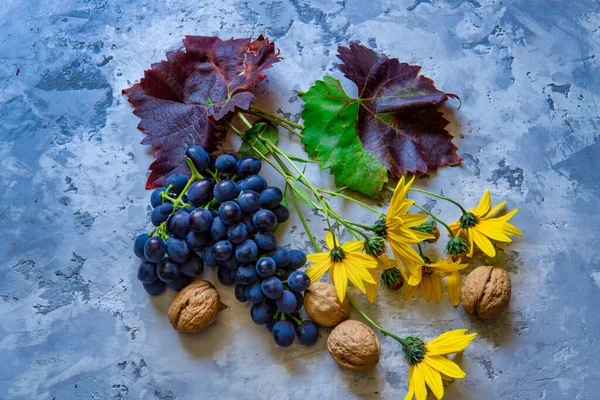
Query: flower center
[426,271]
[456,246]
[374,246]
[337,254]
[468,220]
[379,227]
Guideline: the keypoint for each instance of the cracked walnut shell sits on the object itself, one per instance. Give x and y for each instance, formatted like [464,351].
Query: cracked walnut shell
[486,291]
[323,306]
[354,345]
[195,307]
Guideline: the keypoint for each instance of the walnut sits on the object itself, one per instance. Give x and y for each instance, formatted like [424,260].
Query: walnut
[323,306]
[486,291]
[354,345]
[195,307]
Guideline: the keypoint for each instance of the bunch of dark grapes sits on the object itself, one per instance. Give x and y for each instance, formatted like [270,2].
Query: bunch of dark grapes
[227,222]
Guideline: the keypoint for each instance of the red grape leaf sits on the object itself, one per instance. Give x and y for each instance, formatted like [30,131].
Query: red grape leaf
[180,101]
[398,119]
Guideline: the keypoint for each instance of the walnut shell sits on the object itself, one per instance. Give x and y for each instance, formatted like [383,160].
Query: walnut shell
[354,345]
[323,306]
[195,307]
[486,291]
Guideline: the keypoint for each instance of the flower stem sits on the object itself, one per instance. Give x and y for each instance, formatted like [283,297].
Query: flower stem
[426,211]
[352,200]
[277,122]
[303,220]
[278,117]
[375,324]
[439,196]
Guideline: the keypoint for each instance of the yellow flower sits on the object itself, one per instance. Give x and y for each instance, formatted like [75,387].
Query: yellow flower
[398,233]
[343,263]
[383,263]
[431,281]
[427,362]
[480,225]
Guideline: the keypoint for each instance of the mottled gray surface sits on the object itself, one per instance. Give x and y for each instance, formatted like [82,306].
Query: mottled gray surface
[76,324]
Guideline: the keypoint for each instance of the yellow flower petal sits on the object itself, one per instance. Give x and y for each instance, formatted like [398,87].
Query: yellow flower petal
[329,238]
[397,197]
[316,271]
[372,288]
[436,287]
[454,283]
[411,385]
[385,263]
[484,204]
[471,245]
[410,220]
[354,275]
[419,382]
[316,257]
[492,228]
[445,366]
[340,280]
[482,242]
[510,229]
[410,291]
[426,287]
[360,268]
[509,215]
[495,209]
[433,379]
[450,342]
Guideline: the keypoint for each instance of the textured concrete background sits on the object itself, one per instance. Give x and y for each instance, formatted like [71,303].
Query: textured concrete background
[76,324]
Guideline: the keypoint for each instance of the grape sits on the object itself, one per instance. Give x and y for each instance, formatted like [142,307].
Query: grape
[224,276]
[246,274]
[155,198]
[264,220]
[161,213]
[147,272]
[180,282]
[272,287]
[230,263]
[193,266]
[247,220]
[281,213]
[253,182]
[222,250]
[271,197]
[178,182]
[284,333]
[297,259]
[265,267]
[138,245]
[281,256]
[225,163]
[254,294]
[200,220]
[299,300]
[266,241]
[249,201]
[237,233]
[155,288]
[260,313]
[197,241]
[248,166]
[218,230]
[287,303]
[199,157]
[154,249]
[177,250]
[200,192]
[207,257]
[298,281]
[179,223]
[270,323]
[226,190]
[230,213]
[189,209]
[167,270]
[307,332]
[240,293]
[246,252]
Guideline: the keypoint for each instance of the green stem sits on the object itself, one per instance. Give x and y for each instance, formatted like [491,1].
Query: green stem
[276,122]
[439,196]
[296,320]
[244,120]
[367,227]
[351,199]
[304,224]
[426,211]
[375,324]
[278,117]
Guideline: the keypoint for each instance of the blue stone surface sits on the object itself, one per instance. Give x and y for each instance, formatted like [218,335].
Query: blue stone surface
[76,324]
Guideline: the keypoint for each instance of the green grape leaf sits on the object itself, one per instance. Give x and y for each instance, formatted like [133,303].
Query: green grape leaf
[251,145]
[330,137]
